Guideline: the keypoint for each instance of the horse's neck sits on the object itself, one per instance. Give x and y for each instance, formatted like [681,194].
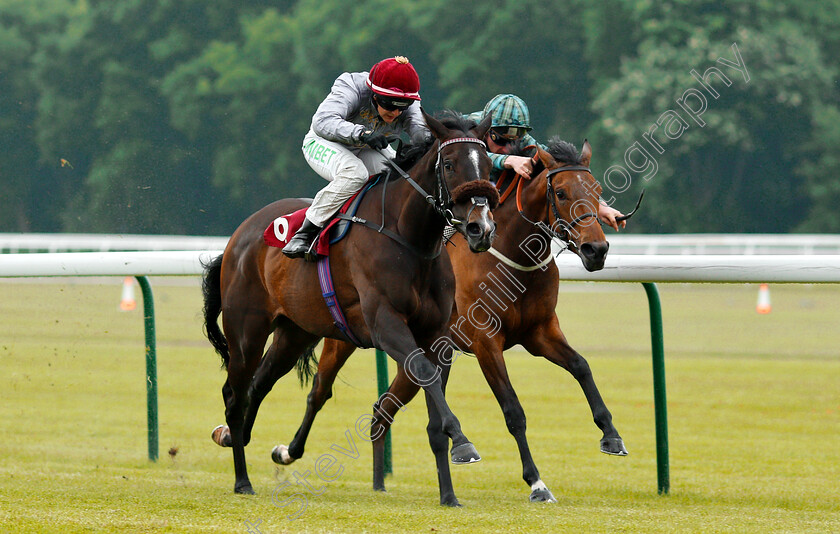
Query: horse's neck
[516,230]
[416,220]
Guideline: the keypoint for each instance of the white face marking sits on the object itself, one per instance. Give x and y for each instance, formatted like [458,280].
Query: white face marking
[474,158]
[485,218]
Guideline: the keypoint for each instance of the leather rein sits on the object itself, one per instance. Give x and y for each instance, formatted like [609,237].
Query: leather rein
[441,201]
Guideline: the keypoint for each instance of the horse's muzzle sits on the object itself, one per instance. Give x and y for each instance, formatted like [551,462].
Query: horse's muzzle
[593,254]
[479,227]
[480,234]
[473,202]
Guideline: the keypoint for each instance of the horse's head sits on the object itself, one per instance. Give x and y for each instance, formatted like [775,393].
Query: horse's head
[462,169]
[571,193]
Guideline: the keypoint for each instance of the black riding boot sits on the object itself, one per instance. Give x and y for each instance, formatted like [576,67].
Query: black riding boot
[302,241]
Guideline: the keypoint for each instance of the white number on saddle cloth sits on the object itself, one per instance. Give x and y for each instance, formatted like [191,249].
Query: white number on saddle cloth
[281,228]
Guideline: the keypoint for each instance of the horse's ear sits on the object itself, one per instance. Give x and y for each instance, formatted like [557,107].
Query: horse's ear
[585,153]
[437,127]
[481,130]
[546,158]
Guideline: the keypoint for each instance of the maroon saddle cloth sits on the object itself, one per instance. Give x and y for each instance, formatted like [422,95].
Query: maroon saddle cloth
[283,228]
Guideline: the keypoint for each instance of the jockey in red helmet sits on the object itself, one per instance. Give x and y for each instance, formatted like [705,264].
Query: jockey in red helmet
[350,136]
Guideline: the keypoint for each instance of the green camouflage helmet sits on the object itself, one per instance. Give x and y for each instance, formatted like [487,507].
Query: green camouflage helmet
[508,110]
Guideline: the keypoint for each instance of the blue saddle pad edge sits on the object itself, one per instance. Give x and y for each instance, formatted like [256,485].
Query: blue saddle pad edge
[343,227]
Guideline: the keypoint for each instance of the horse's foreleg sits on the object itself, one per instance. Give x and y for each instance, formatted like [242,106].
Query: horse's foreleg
[550,342]
[333,357]
[395,338]
[492,364]
[439,442]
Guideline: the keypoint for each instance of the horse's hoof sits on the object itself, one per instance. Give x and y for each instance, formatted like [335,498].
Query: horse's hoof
[542,495]
[280,455]
[614,446]
[465,453]
[221,436]
[244,489]
[451,502]
[377,487]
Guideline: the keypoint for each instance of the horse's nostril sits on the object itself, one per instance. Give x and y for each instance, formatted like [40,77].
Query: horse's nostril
[594,249]
[473,229]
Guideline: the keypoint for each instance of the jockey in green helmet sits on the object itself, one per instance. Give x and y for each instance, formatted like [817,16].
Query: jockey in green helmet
[512,124]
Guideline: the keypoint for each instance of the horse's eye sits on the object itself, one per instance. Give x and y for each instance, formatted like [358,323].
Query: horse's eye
[561,194]
[447,165]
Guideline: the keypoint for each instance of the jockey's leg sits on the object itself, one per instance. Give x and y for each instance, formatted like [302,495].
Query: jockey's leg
[346,172]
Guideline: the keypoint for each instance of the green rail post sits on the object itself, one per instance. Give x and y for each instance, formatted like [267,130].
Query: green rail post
[382,386]
[151,367]
[659,399]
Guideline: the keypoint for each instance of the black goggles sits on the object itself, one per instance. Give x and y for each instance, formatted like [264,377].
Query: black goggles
[392,104]
[508,133]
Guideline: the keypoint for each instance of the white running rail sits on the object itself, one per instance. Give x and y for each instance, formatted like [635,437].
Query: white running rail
[618,268]
[620,244]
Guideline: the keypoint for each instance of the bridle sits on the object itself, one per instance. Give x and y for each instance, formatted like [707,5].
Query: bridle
[551,209]
[441,201]
[551,205]
[551,200]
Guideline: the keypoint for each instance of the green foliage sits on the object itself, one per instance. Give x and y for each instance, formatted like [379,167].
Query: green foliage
[184,116]
[741,170]
[25,178]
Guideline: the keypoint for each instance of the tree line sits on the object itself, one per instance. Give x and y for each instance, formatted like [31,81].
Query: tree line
[184,116]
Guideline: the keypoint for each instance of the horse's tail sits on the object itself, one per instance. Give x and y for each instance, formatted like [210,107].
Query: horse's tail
[211,286]
[307,365]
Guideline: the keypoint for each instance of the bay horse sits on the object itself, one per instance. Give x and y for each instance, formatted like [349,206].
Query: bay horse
[393,283]
[503,300]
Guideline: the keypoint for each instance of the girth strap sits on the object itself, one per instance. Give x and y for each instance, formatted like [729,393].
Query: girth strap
[328,291]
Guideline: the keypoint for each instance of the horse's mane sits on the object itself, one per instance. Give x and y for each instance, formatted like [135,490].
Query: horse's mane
[408,155]
[454,120]
[562,151]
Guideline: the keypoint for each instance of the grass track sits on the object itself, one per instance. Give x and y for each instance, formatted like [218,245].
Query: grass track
[754,407]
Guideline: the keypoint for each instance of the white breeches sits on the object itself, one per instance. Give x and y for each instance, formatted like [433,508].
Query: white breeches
[347,168]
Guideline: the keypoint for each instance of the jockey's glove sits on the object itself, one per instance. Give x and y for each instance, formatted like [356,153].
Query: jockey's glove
[409,155]
[374,140]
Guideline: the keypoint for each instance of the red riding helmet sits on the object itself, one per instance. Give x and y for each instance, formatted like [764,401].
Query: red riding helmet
[394,77]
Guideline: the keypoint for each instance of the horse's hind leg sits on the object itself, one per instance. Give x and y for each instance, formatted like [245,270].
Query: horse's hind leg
[550,342]
[246,337]
[399,393]
[333,357]
[282,356]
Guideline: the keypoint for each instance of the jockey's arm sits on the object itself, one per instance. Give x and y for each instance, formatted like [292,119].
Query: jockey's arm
[331,118]
[519,164]
[607,215]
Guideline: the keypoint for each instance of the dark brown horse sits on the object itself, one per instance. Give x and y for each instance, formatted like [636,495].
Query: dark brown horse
[502,300]
[393,283]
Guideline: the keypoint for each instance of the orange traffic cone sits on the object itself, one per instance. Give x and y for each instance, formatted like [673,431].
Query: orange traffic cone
[763,304]
[127,303]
